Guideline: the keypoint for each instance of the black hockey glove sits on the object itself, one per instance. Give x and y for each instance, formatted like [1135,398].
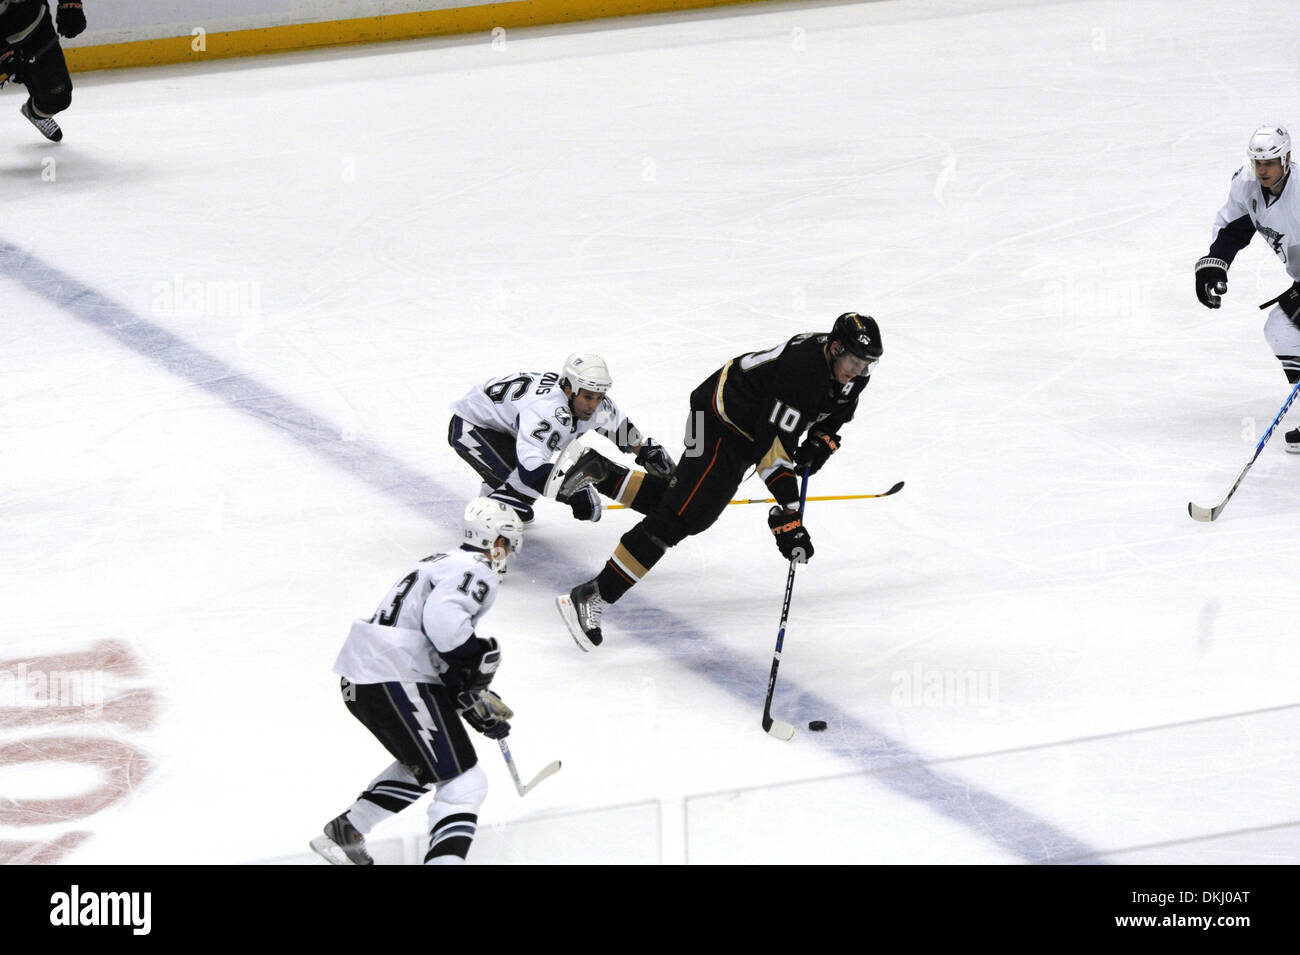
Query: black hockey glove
[1211,280]
[471,666]
[486,713]
[816,450]
[1289,302]
[8,66]
[655,459]
[71,19]
[791,536]
[585,504]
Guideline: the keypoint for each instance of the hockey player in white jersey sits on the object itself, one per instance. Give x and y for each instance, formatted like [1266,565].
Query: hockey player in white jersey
[515,430]
[410,673]
[1261,200]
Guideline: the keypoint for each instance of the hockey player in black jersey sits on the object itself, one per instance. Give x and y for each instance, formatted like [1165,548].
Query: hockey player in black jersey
[752,412]
[30,54]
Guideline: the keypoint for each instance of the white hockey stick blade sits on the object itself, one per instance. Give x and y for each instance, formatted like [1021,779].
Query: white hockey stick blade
[1199,513]
[782,731]
[547,772]
[520,788]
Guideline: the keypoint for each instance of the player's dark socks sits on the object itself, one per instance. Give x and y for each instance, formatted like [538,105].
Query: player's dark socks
[632,559]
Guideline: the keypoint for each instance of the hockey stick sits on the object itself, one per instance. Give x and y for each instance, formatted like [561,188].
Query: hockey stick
[1275,300]
[1199,513]
[771,500]
[825,497]
[783,731]
[550,770]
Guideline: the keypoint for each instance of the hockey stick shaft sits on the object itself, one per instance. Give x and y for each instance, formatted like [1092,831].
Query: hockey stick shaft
[825,497]
[777,728]
[550,770]
[1208,514]
[822,497]
[1273,301]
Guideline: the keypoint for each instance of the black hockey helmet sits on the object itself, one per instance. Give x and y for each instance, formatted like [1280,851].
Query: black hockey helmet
[859,335]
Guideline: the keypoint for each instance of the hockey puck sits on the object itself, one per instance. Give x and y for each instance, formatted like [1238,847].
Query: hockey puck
[817,725]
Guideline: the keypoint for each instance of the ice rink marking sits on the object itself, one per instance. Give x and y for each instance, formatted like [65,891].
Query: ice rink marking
[1010,827]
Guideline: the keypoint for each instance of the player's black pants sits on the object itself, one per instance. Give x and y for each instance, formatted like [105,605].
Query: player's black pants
[490,453]
[42,68]
[715,462]
[417,723]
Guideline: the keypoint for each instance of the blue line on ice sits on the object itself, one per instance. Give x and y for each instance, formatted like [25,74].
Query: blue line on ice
[1010,827]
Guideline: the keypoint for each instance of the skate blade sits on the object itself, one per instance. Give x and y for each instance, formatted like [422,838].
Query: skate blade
[570,617]
[330,851]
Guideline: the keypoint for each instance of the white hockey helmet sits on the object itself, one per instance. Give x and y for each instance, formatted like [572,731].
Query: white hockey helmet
[1270,142]
[587,371]
[486,521]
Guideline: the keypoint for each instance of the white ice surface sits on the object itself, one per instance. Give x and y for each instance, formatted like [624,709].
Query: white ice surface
[1016,190]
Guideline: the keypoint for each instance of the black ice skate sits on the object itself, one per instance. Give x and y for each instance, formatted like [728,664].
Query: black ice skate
[575,468]
[342,844]
[1293,441]
[46,124]
[580,610]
